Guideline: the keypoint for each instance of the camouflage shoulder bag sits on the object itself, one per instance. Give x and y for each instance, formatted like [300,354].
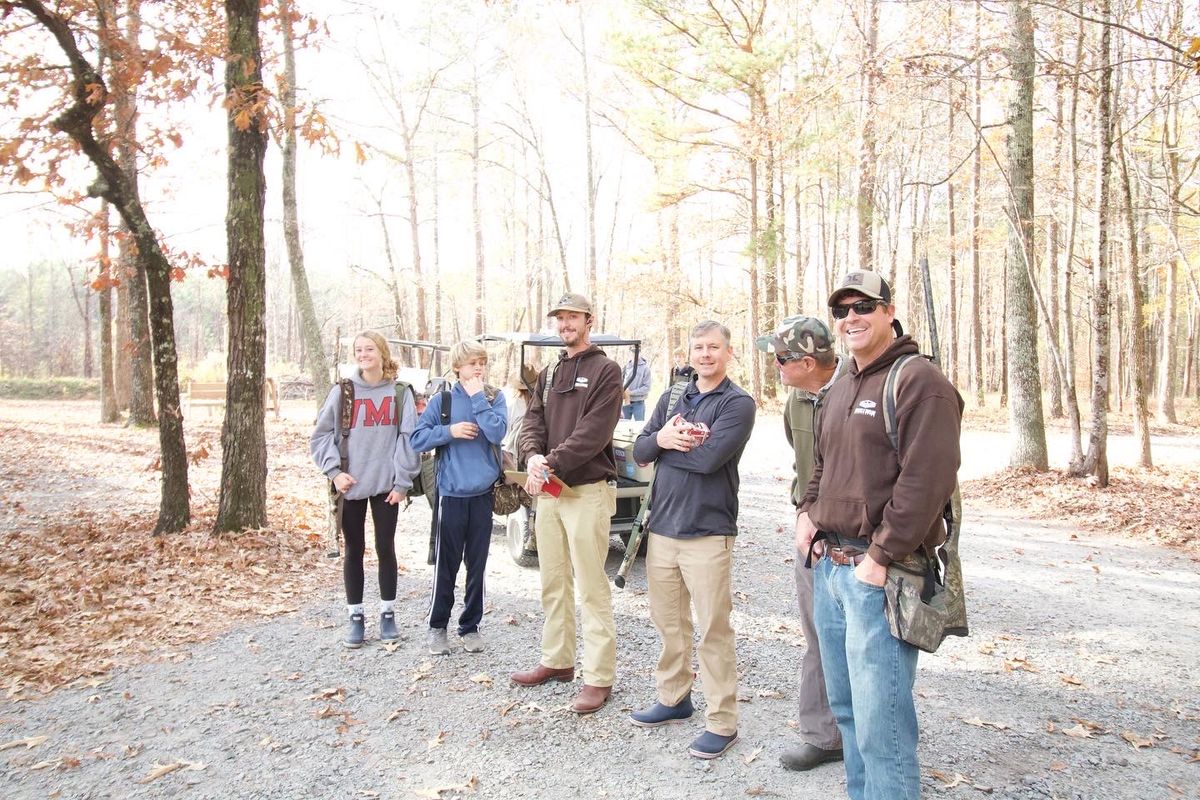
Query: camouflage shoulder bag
[924,595]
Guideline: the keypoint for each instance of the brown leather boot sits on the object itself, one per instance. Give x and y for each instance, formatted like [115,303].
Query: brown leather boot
[541,674]
[590,698]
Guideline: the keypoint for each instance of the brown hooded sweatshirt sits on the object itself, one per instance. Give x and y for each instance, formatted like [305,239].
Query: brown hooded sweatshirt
[574,428]
[860,488]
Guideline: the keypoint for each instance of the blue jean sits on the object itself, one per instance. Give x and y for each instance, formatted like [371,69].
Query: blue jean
[869,676]
[635,410]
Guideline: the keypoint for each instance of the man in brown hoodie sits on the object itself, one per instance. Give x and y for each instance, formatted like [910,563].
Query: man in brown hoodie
[869,504]
[567,433]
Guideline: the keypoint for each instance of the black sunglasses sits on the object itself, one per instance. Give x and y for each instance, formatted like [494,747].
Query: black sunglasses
[781,360]
[861,308]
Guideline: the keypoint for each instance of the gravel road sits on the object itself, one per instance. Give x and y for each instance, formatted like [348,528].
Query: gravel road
[1079,681]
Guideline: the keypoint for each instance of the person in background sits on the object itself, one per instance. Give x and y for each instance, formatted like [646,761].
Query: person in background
[516,398]
[636,389]
[379,472]
[468,465]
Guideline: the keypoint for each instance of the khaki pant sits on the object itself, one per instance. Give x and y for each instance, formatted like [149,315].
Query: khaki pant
[572,544]
[682,573]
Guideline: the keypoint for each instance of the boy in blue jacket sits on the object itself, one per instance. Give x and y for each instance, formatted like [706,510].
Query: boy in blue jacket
[468,465]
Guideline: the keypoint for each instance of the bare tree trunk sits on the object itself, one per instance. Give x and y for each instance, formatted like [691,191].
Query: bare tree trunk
[1068,315]
[437,256]
[590,193]
[1166,360]
[476,211]
[951,363]
[243,495]
[141,370]
[1026,425]
[108,398]
[976,186]
[1096,461]
[768,244]
[866,154]
[1052,238]
[310,327]
[755,320]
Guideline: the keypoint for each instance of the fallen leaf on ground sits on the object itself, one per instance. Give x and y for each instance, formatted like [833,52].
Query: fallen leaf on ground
[158,770]
[483,679]
[1078,732]
[753,755]
[772,694]
[982,723]
[396,713]
[1135,741]
[947,781]
[30,742]
[1012,664]
[437,740]
[437,792]
[44,764]
[1069,680]
[1058,766]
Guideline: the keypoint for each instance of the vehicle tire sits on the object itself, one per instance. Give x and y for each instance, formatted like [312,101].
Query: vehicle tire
[519,524]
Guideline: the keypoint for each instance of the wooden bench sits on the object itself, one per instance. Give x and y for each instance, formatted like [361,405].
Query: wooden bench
[212,394]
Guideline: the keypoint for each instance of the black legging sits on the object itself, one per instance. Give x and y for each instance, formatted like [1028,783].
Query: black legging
[354,526]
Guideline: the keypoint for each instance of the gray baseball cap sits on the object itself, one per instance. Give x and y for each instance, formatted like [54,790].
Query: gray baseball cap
[865,282]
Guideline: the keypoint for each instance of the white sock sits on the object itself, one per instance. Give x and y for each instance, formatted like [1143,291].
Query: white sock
[355,609]
[387,605]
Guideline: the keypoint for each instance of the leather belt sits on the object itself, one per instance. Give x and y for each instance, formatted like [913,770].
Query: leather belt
[845,556]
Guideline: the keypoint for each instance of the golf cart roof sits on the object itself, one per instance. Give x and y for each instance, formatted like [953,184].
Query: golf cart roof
[553,340]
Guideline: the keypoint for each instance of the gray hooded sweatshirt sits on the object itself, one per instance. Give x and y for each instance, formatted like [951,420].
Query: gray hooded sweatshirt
[381,458]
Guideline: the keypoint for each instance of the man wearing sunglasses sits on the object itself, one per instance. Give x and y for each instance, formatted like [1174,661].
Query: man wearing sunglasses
[567,433]
[869,504]
[803,349]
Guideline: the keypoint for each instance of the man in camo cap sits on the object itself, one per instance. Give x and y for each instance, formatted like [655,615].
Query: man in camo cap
[803,348]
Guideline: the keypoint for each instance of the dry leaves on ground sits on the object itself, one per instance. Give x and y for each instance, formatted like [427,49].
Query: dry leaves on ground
[94,590]
[1136,502]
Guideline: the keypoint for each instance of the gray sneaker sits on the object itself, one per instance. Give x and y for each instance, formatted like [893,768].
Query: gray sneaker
[439,645]
[472,642]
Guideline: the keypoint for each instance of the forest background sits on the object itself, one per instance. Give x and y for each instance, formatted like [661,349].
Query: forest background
[436,170]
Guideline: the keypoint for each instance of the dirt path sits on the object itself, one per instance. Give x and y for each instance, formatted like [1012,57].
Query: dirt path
[1078,681]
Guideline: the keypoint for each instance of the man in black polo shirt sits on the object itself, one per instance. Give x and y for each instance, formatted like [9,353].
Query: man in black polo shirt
[696,447]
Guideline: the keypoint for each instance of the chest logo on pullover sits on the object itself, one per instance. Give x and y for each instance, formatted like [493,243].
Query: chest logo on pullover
[866,407]
[369,415]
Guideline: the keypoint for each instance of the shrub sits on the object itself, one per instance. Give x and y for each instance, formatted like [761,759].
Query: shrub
[50,388]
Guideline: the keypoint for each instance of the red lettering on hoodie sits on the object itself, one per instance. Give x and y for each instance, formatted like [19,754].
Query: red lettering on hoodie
[374,415]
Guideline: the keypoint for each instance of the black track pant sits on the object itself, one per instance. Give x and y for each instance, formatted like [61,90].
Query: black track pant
[464,533]
[354,526]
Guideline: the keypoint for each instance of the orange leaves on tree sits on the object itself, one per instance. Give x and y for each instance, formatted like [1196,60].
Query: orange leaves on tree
[221,271]
[360,155]
[178,274]
[95,93]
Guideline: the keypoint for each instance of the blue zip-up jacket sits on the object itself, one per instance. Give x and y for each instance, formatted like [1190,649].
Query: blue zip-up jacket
[466,467]
[695,493]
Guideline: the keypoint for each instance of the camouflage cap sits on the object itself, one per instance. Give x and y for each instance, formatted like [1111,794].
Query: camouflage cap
[798,334]
[865,282]
[571,302]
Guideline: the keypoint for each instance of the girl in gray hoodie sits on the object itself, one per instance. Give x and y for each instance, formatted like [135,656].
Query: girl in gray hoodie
[379,472]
